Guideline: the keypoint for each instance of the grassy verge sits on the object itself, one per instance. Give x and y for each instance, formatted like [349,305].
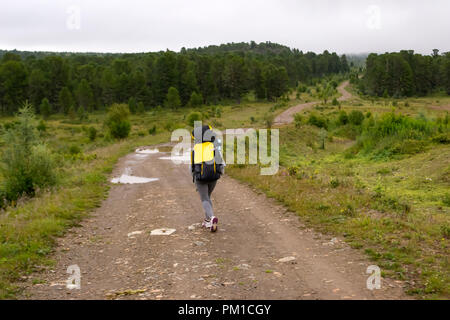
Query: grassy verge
[28,231]
[392,203]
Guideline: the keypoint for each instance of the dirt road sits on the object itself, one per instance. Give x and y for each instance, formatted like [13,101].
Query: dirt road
[288,116]
[261,250]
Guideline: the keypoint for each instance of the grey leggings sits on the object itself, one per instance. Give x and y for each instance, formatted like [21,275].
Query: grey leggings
[205,189]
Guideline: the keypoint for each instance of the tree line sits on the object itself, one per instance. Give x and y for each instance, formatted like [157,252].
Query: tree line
[405,74]
[66,82]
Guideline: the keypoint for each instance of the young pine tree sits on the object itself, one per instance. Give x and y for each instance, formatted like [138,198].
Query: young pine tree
[132,105]
[65,100]
[196,100]
[45,108]
[173,98]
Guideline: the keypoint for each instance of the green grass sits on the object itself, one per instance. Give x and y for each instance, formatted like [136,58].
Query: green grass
[28,230]
[393,207]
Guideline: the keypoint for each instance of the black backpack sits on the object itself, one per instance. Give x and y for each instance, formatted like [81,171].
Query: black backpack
[203,158]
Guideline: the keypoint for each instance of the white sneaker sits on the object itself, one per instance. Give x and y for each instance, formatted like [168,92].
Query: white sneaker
[206,224]
[214,222]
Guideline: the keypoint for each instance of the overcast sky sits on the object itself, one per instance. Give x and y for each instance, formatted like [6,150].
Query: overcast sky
[344,26]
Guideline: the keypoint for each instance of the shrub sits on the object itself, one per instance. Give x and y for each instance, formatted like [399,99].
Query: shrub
[298,119]
[152,130]
[356,117]
[169,126]
[196,100]
[293,171]
[45,108]
[92,133]
[318,121]
[334,183]
[27,163]
[446,200]
[192,117]
[9,125]
[443,138]
[397,134]
[335,102]
[409,147]
[268,120]
[41,126]
[343,118]
[118,121]
[172,98]
[82,114]
[132,105]
[140,109]
[74,149]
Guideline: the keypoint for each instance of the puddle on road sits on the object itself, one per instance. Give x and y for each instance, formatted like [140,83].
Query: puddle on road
[127,178]
[147,151]
[184,158]
[162,232]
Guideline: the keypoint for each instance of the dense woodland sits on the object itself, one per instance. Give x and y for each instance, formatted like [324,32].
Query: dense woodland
[65,82]
[405,74]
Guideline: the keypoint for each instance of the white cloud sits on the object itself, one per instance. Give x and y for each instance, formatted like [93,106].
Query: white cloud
[142,25]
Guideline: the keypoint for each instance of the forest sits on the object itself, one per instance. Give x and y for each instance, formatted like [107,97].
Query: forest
[68,82]
[406,74]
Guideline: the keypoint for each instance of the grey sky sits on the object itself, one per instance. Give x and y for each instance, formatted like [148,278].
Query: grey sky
[345,26]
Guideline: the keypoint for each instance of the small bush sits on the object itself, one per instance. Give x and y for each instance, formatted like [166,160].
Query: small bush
[9,125]
[446,200]
[293,171]
[397,134]
[443,138]
[334,183]
[140,109]
[318,121]
[268,120]
[445,231]
[192,117]
[27,163]
[298,119]
[74,149]
[169,126]
[82,114]
[92,133]
[41,126]
[335,102]
[409,147]
[196,100]
[343,118]
[152,130]
[356,117]
[118,121]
